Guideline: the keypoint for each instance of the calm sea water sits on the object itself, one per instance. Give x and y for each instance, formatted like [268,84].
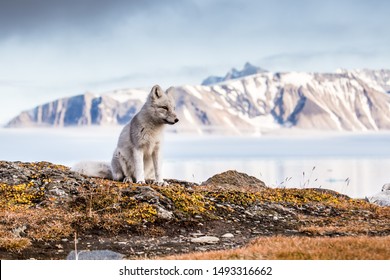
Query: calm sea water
[355,164]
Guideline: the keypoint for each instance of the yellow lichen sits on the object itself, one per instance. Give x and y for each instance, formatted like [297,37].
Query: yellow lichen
[235,197]
[189,202]
[303,196]
[20,195]
[142,213]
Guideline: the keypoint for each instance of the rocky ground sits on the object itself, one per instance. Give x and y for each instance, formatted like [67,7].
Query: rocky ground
[46,210]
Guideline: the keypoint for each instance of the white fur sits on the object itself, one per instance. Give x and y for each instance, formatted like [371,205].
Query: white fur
[93,169]
[137,156]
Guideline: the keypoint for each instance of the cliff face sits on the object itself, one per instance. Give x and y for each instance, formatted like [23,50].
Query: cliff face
[79,110]
[347,100]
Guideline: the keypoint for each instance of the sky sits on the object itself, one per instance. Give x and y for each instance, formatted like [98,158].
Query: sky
[57,48]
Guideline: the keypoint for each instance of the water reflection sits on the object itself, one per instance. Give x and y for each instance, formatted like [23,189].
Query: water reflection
[351,163]
[354,177]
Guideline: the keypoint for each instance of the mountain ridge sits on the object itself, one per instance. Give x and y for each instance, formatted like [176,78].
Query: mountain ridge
[351,100]
[248,69]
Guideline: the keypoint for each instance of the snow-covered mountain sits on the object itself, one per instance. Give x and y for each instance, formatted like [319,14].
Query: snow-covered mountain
[111,108]
[248,70]
[379,77]
[346,100]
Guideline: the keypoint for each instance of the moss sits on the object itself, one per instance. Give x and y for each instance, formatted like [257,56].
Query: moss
[12,196]
[235,197]
[41,165]
[186,201]
[305,196]
[107,207]
[141,213]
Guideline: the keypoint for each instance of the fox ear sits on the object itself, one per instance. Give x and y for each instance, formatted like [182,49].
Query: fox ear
[156,91]
[170,90]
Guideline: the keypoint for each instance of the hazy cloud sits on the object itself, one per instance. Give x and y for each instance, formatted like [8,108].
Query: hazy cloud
[308,61]
[62,47]
[28,17]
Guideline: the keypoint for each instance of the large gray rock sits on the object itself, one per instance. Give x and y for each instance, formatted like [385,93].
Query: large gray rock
[382,198]
[96,255]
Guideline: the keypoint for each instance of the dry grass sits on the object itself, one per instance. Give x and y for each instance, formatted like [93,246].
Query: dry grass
[14,244]
[302,248]
[354,227]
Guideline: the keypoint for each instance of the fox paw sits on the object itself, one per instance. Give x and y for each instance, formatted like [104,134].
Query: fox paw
[127,180]
[161,183]
[141,182]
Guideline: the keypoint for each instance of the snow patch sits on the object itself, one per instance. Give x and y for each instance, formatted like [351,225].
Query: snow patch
[123,96]
[193,92]
[188,116]
[368,80]
[230,124]
[217,105]
[264,122]
[367,110]
[297,78]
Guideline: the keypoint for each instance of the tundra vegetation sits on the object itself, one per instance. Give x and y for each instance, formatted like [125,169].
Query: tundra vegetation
[46,208]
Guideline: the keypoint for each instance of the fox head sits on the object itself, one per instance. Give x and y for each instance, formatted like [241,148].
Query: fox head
[162,105]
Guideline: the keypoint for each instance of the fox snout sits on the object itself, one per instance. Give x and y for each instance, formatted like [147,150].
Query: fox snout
[171,121]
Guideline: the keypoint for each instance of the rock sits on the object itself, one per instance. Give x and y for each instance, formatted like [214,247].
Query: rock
[96,255]
[234,178]
[55,181]
[57,192]
[164,214]
[227,235]
[181,182]
[142,193]
[382,198]
[248,213]
[19,231]
[205,239]
[147,194]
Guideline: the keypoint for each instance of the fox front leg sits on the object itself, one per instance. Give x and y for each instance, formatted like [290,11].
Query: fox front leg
[139,166]
[156,156]
[120,167]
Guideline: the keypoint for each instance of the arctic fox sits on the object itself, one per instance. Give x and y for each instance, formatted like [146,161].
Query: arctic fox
[137,155]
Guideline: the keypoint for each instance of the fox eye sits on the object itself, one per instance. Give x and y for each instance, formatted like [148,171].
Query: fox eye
[164,107]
